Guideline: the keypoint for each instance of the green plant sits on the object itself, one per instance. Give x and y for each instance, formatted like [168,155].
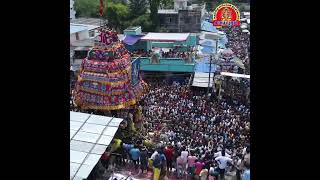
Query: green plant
[87,8]
[143,21]
[117,14]
[137,7]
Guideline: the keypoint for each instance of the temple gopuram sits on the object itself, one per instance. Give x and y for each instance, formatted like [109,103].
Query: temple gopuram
[109,78]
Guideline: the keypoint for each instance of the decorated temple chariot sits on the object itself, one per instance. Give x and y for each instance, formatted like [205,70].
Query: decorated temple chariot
[109,78]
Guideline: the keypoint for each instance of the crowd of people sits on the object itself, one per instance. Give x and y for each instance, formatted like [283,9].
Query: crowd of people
[184,133]
[239,43]
[177,130]
[173,53]
[141,52]
[170,53]
[195,123]
[237,89]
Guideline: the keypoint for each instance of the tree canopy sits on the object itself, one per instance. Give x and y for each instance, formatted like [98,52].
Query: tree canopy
[121,14]
[87,8]
[137,7]
[116,14]
[154,6]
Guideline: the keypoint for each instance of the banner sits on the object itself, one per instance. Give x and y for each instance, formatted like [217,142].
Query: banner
[135,68]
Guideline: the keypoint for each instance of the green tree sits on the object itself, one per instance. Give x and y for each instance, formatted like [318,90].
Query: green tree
[154,6]
[137,7]
[143,21]
[120,1]
[167,4]
[116,14]
[87,8]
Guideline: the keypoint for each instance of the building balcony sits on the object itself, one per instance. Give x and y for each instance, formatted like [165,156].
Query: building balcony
[166,65]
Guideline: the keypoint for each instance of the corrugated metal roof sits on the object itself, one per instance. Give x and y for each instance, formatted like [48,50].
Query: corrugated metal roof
[87,21]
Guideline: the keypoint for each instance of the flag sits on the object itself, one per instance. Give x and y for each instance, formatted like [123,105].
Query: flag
[101,8]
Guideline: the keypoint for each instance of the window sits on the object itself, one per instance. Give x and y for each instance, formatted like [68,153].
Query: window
[91,33]
[80,54]
[187,20]
[169,20]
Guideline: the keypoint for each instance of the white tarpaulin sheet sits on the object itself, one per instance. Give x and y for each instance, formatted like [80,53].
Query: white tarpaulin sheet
[90,135]
[246,13]
[244,26]
[201,79]
[165,37]
[235,75]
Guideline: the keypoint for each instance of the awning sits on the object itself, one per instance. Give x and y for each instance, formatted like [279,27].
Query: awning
[235,75]
[132,39]
[207,42]
[201,79]
[207,26]
[166,37]
[207,50]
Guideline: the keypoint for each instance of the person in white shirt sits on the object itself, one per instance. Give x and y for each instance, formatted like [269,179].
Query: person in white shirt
[223,163]
[218,154]
[184,154]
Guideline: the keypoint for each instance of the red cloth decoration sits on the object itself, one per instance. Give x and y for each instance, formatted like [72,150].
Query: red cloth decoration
[101,8]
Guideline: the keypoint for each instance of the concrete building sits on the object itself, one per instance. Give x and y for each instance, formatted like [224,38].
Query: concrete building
[182,18]
[81,39]
[72,11]
[83,30]
[78,33]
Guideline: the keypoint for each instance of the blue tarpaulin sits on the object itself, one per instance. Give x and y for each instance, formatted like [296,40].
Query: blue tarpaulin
[132,39]
[207,50]
[207,26]
[203,66]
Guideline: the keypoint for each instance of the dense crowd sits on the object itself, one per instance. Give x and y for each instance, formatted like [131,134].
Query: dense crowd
[184,130]
[170,53]
[239,43]
[237,89]
[178,130]
[141,52]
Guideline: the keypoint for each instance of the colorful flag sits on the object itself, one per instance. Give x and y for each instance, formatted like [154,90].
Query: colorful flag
[101,8]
